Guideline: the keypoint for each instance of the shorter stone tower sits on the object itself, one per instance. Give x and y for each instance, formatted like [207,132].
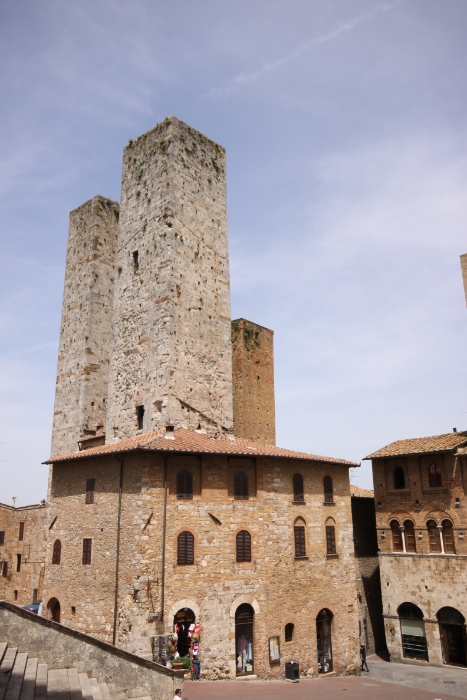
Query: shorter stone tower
[253,382]
[464,273]
[86,328]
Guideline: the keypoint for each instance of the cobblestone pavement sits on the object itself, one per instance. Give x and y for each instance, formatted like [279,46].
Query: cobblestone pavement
[437,680]
[349,688]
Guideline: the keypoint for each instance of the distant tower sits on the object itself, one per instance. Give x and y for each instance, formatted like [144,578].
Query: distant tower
[86,327]
[171,356]
[253,382]
[464,273]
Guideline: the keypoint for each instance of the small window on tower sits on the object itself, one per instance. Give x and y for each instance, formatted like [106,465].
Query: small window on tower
[135,260]
[2,537]
[90,488]
[18,562]
[140,416]
[21,531]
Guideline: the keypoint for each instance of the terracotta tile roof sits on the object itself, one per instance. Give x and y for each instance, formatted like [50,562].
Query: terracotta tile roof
[435,443]
[361,493]
[196,442]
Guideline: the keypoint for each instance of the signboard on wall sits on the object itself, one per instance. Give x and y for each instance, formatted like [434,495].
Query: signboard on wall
[274,650]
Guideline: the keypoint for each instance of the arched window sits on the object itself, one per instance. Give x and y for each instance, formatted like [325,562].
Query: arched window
[289,631]
[396,536]
[434,475]
[433,536]
[414,644]
[409,534]
[243,546]
[299,537]
[57,552]
[330,537]
[327,483]
[186,548]
[241,486]
[184,484]
[448,537]
[399,478]
[298,494]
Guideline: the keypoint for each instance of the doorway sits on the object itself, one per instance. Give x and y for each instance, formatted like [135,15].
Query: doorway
[453,638]
[244,629]
[324,641]
[414,645]
[53,606]
[182,621]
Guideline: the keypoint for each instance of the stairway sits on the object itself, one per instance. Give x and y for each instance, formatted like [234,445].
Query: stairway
[22,678]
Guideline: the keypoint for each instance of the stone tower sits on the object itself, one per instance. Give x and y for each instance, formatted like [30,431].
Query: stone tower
[171,354]
[253,382]
[86,327]
[464,273]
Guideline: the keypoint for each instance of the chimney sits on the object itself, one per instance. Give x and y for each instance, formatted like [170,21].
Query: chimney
[169,432]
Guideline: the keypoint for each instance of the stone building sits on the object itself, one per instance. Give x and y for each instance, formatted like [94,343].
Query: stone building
[22,552]
[250,541]
[421,515]
[369,606]
[253,382]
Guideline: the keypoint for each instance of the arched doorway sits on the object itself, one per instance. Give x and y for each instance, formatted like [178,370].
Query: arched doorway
[324,641]
[453,637]
[53,606]
[244,624]
[414,644]
[182,621]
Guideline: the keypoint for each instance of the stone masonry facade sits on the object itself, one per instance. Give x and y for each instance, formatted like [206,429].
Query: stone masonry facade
[280,587]
[422,535]
[253,382]
[22,552]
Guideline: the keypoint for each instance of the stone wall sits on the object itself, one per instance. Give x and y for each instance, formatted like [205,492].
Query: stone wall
[280,587]
[86,326]
[171,358]
[61,647]
[21,586]
[253,382]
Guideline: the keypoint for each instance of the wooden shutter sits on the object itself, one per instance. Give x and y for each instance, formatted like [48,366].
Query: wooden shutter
[2,537]
[241,486]
[396,537]
[327,482]
[243,546]
[21,531]
[448,536]
[331,539]
[87,550]
[433,536]
[410,544]
[184,484]
[299,534]
[57,551]
[90,486]
[298,494]
[186,548]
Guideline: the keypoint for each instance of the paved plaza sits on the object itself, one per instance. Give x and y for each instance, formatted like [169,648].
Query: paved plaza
[385,681]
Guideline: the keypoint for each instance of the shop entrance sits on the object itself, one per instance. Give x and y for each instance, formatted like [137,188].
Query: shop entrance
[323,639]
[182,621]
[244,622]
[414,644]
[53,607]
[453,639]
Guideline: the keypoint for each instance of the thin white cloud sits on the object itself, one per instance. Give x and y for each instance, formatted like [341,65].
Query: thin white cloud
[343,27]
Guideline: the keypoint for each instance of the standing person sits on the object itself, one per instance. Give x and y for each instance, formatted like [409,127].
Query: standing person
[363,657]
[178,694]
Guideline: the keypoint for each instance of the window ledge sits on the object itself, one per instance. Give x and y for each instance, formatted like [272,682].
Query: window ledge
[299,503]
[329,503]
[332,556]
[301,557]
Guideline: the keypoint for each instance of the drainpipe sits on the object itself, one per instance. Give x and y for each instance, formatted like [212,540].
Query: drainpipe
[119,516]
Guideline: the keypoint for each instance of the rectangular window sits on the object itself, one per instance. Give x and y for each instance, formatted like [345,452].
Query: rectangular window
[90,487]
[140,416]
[299,534]
[5,569]
[18,562]
[331,539]
[2,537]
[87,549]
[15,593]
[21,531]
[35,595]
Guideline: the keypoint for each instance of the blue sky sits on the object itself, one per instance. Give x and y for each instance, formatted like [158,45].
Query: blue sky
[345,130]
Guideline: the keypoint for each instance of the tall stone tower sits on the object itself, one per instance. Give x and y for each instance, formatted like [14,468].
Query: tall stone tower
[464,273]
[86,327]
[253,382]
[171,354]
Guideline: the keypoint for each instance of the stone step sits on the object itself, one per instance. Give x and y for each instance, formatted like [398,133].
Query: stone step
[6,668]
[105,692]
[16,677]
[58,686]
[85,687]
[95,690]
[29,680]
[40,692]
[75,685]
[3,648]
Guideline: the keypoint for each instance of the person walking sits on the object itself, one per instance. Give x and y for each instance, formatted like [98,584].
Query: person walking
[363,658]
